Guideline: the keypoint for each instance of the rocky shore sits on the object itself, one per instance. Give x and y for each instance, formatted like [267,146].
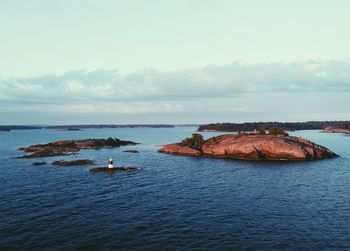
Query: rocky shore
[68,147]
[252,147]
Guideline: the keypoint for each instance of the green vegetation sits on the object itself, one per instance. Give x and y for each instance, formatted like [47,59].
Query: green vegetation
[112,142]
[69,145]
[195,142]
[277,131]
[262,131]
[344,125]
[290,126]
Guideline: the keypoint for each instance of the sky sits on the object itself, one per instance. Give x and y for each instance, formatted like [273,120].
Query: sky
[173,61]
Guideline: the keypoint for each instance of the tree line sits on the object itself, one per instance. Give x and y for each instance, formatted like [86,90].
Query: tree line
[289,126]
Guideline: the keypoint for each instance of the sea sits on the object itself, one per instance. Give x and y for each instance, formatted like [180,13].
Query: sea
[171,202]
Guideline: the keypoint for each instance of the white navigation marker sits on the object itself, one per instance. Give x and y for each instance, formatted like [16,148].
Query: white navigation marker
[110,163]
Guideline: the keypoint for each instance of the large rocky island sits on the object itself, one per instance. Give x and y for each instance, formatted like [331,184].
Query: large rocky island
[67,147]
[250,147]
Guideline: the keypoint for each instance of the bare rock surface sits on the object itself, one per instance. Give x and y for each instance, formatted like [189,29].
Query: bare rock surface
[254,147]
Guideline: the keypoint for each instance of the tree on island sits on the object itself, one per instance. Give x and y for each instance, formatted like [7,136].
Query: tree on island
[262,131]
[277,131]
[195,142]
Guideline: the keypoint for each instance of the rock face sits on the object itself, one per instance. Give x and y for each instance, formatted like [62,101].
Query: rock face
[112,170]
[331,129]
[255,147]
[67,147]
[180,150]
[79,162]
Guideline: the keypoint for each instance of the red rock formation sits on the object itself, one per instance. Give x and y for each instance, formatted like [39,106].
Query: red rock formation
[255,147]
[178,149]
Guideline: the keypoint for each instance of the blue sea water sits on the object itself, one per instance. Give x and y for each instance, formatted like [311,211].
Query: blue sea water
[172,202]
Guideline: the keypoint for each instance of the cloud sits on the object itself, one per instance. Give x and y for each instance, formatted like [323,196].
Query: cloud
[152,91]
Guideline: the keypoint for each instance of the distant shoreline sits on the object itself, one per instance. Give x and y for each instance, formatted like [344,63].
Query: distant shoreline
[288,126]
[79,127]
[212,127]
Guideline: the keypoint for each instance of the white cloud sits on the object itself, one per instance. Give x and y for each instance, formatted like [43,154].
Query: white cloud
[150,91]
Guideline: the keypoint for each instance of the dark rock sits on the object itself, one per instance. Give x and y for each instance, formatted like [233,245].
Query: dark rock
[130,151]
[112,170]
[80,162]
[38,163]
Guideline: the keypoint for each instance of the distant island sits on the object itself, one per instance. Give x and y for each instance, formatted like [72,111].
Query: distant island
[18,127]
[330,129]
[79,127]
[274,146]
[288,126]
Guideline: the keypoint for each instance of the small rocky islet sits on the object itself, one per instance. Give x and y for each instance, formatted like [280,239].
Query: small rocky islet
[68,147]
[131,151]
[129,169]
[255,147]
[79,162]
[38,163]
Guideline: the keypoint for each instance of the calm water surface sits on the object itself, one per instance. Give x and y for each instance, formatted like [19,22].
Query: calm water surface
[173,202]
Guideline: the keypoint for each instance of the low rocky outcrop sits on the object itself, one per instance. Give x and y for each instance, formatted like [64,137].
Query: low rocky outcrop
[38,163]
[114,169]
[331,129]
[79,162]
[68,147]
[131,151]
[253,147]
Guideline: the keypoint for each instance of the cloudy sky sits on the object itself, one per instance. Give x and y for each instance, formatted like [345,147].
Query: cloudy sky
[173,61]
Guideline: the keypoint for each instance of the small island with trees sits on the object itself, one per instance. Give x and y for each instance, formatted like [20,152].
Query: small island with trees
[273,145]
